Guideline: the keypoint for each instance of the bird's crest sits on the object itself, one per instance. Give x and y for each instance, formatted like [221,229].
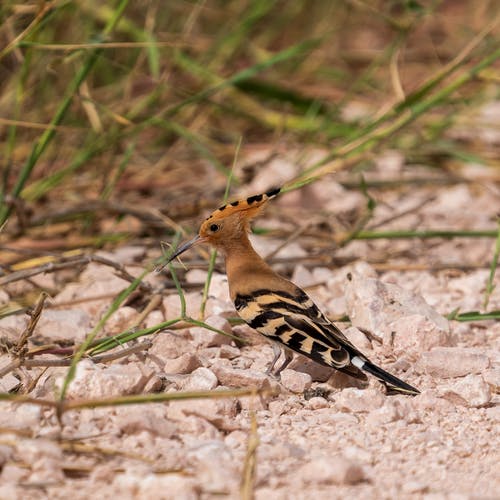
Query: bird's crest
[251,206]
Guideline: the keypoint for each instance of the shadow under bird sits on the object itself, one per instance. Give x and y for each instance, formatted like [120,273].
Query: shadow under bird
[273,305]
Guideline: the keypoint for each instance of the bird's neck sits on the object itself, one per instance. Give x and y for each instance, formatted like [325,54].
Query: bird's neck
[245,268]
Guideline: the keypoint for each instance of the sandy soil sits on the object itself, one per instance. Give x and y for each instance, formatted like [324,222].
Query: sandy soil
[321,436]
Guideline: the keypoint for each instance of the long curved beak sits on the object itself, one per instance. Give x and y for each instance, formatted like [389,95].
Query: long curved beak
[185,246]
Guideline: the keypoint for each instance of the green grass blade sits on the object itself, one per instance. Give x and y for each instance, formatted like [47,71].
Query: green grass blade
[474,316]
[105,344]
[195,139]
[294,51]
[43,186]
[48,135]
[490,286]
[430,233]
[370,138]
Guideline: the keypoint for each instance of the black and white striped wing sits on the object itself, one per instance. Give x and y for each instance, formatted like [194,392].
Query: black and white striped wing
[296,322]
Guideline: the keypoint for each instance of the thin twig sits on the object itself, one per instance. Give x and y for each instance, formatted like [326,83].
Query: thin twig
[292,237]
[104,358]
[21,348]
[45,8]
[72,261]
[154,302]
[398,215]
[13,365]
[150,216]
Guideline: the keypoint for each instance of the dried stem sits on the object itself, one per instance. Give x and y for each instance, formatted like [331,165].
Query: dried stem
[104,358]
[68,262]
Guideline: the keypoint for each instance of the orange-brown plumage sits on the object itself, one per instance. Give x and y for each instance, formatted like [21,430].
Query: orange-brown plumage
[273,305]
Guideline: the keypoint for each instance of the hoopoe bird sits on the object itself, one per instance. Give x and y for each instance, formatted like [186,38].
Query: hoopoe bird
[273,305]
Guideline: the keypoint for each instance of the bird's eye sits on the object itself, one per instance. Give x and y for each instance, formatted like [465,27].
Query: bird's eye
[214,228]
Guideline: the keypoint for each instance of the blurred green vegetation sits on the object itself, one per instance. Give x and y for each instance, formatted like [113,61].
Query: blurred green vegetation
[119,108]
[145,102]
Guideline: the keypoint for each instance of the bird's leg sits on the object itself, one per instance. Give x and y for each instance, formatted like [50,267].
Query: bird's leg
[286,361]
[277,350]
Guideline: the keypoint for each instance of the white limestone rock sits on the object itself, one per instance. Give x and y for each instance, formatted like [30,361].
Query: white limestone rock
[220,413]
[471,391]
[185,363]
[359,400]
[133,419]
[133,484]
[451,362]
[201,379]
[99,381]
[402,319]
[236,377]
[295,381]
[331,470]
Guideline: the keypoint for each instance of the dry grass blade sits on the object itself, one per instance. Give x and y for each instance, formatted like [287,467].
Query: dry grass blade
[20,350]
[45,8]
[173,396]
[80,447]
[76,404]
[250,464]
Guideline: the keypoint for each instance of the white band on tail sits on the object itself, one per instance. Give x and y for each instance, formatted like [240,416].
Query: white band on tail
[358,362]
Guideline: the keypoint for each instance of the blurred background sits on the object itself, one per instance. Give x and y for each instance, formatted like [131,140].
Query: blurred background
[120,119]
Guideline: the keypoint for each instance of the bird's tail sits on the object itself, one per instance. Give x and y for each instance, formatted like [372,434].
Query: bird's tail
[393,384]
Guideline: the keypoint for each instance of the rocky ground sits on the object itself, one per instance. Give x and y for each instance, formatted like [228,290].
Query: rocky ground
[319,434]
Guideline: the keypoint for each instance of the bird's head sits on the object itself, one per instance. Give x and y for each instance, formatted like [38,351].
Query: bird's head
[228,222]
